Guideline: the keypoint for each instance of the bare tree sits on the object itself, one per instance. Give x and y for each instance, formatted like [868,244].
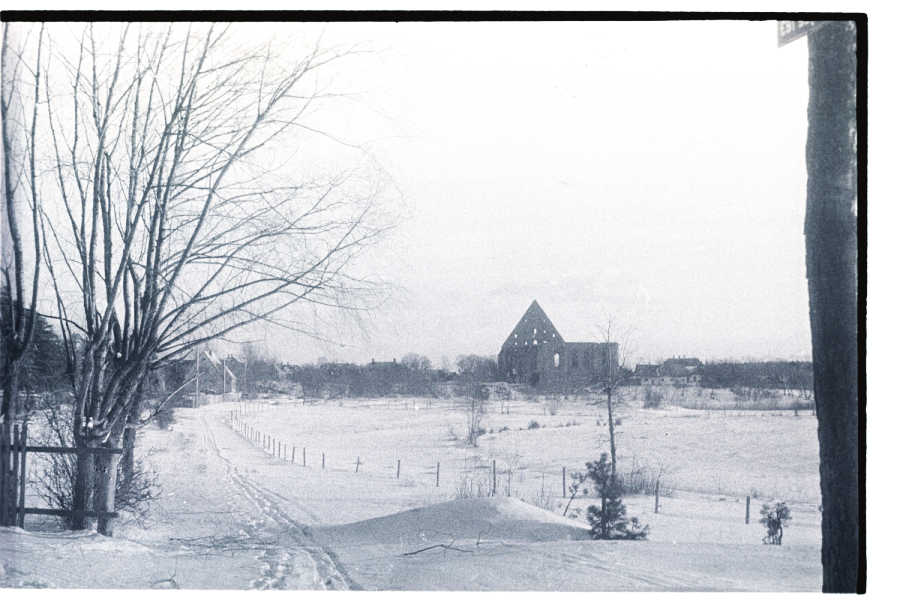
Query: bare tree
[416,362]
[613,376]
[176,225]
[20,189]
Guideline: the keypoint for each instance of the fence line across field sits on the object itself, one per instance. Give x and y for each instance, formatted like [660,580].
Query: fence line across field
[278,449]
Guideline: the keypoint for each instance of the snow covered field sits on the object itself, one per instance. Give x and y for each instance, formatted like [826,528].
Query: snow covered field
[235,516]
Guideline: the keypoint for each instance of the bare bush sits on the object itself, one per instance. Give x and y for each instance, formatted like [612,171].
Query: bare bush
[475,413]
[473,486]
[54,479]
[652,398]
[543,499]
[642,479]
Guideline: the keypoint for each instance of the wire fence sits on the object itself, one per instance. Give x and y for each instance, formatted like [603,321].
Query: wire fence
[547,486]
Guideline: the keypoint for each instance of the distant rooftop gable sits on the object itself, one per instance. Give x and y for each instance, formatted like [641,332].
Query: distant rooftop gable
[646,370]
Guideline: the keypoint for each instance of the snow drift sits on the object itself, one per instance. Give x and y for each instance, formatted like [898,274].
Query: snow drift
[465,519]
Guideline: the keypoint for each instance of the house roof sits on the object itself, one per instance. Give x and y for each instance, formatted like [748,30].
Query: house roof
[695,362]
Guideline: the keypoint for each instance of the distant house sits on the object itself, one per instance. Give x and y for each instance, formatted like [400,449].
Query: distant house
[647,374]
[674,371]
[535,353]
[383,365]
[681,371]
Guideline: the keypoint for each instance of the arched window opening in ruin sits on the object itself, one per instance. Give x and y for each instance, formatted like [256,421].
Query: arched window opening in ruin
[556,360]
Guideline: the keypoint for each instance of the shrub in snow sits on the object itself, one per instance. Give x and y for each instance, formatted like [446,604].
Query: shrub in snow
[533,425]
[775,519]
[609,521]
[473,487]
[652,399]
[474,414]
[54,477]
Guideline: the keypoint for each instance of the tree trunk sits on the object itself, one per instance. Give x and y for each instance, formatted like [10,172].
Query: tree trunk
[128,457]
[105,471]
[10,409]
[831,270]
[105,466]
[81,492]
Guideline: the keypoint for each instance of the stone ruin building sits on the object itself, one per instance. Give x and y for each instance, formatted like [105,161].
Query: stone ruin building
[535,353]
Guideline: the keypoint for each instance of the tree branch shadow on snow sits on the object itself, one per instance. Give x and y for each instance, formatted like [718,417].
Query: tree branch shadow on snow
[449,546]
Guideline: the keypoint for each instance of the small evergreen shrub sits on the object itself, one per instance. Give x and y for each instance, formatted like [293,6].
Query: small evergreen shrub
[609,521]
[533,425]
[775,519]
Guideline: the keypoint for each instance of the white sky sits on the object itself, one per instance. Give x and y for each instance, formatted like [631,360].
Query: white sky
[651,171]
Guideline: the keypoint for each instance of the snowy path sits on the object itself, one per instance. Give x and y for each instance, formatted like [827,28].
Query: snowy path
[275,521]
[215,526]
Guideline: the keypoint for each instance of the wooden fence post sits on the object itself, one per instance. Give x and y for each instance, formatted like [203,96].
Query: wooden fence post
[23,434]
[747,512]
[398,469]
[494,477]
[437,476]
[304,456]
[656,500]
[564,481]
[323,460]
[508,482]
[357,463]
[4,470]
[293,453]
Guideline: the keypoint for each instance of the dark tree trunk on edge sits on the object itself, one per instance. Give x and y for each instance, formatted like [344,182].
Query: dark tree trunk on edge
[831,270]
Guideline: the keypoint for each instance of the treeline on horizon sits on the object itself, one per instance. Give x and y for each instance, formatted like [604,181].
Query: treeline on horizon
[413,374]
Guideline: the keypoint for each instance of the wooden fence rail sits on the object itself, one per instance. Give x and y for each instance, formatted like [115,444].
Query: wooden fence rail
[14,450]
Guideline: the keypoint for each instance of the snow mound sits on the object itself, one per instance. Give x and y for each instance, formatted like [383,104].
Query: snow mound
[465,519]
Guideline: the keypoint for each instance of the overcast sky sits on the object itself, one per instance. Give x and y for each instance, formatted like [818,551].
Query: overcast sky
[649,172]
[653,172]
